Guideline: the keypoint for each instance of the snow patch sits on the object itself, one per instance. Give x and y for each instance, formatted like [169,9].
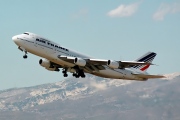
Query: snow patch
[171,76]
[145,96]
[43,91]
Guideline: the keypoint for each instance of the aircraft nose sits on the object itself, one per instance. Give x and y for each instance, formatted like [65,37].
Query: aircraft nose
[14,38]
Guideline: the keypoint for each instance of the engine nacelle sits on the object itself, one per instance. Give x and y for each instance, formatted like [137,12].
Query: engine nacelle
[113,64]
[80,62]
[45,63]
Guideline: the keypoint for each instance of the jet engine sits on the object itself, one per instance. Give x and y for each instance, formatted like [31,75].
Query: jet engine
[45,63]
[80,62]
[113,64]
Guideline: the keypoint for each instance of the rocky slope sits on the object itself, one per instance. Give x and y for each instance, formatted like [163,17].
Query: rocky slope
[94,98]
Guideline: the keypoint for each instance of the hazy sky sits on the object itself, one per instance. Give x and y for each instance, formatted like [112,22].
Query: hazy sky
[119,30]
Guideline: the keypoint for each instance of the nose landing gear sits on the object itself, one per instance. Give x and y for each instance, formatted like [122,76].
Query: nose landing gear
[22,49]
[25,56]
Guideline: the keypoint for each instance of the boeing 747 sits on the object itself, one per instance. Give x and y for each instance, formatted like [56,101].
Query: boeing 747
[55,57]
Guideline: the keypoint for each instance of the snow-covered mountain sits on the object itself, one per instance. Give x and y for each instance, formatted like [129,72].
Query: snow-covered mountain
[23,98]
[94,98]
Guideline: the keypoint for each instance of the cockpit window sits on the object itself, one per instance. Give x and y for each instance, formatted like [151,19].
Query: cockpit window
[26,33]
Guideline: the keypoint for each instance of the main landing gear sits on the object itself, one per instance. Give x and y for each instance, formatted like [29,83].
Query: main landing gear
[78,74]
[64,73]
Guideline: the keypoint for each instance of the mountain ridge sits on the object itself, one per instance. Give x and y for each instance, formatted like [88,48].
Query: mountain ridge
[93,97]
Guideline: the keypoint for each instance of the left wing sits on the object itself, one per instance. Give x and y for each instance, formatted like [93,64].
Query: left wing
[98,64]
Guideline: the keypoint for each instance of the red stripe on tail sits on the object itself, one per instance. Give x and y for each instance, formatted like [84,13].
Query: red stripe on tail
[145,67]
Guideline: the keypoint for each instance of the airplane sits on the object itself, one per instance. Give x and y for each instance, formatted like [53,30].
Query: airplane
[55,57]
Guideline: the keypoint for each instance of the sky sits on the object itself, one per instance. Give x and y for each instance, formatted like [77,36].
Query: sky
[118,30]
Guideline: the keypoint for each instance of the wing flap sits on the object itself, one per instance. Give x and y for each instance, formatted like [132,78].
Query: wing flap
[135,63]
[66,58]
[97,61]
[127,64]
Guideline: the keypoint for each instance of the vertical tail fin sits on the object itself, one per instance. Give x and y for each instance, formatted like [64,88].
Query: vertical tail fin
[148,57]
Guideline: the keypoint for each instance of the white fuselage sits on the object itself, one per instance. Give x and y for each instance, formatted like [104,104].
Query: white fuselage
[50,50]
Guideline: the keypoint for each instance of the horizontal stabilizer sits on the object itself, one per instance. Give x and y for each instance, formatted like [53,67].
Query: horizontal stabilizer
[149,76]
